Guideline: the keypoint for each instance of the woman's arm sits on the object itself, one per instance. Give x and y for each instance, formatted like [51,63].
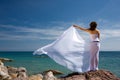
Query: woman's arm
[78,27]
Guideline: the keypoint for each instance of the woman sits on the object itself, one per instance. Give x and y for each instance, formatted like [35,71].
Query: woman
[94,46]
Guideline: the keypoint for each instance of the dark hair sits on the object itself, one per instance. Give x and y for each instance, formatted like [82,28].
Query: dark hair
[93,25]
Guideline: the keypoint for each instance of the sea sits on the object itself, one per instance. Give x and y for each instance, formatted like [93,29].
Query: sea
[108,60]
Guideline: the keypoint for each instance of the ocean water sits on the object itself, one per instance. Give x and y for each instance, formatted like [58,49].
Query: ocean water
[109,60]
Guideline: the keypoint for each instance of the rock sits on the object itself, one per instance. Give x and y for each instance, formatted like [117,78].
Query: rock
[36,77]
[3,71]
[55,72]
[12,69]
[17,73]
[13,72]
[5,60]
[91,75]
[49,76]
[21,74]
[13,75]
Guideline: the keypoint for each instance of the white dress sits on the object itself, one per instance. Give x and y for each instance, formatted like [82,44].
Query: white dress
[94,51]
[68,50]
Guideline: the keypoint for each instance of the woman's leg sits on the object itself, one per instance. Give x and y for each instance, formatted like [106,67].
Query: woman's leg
[97,56]
[92,62]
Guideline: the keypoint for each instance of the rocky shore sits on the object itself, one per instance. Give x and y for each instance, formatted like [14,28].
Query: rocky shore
[13,73]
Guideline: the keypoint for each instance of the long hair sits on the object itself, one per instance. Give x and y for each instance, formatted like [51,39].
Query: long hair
[93,25]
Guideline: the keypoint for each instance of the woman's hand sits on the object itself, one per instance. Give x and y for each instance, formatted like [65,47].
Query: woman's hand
[78,27]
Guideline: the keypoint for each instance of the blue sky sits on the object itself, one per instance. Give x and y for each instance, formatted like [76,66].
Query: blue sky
[26,25]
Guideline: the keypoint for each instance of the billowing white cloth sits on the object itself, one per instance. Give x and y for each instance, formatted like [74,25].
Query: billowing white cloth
[68,50]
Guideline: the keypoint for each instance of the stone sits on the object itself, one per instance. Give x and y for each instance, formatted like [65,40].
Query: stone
[22,73]
[3,71]
[5,60]
[17,73]
[49,76]
[91,75]
[36,77]
[55,72]
[12,71]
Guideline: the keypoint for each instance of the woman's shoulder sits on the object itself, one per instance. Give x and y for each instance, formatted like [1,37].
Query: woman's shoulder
[98,31]
[94,31]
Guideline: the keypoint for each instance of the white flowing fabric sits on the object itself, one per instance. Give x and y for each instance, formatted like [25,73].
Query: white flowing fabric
[68,50]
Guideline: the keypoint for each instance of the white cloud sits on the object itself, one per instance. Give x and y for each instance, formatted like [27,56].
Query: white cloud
[13,32]
[22,32]
[105,24]
[111,33]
